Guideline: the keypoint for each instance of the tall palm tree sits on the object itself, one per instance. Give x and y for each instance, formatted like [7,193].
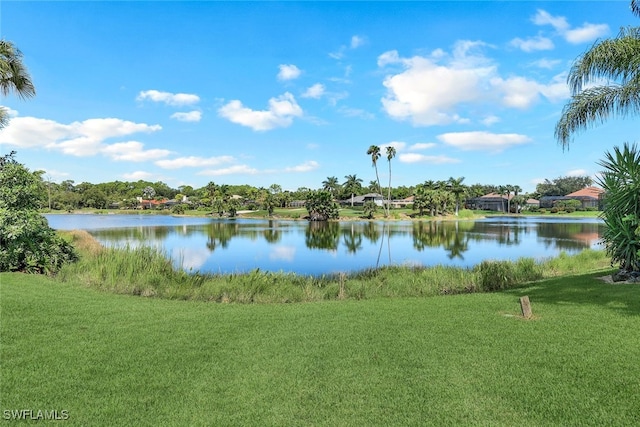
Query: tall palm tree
[517,190]
[353,184]
[616,59]
[14,77]
[457,188]
[374,152]
[391,153]
[331,185]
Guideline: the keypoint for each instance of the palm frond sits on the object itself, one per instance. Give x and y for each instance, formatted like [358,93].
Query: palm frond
[616,59]
[595,105]
[635,7]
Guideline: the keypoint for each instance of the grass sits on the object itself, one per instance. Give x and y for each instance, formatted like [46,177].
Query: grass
[148,272]
[458,360]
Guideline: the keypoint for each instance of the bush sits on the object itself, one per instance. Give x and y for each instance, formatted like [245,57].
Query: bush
[496,275]
[621,182]
[27,243]
[178,209]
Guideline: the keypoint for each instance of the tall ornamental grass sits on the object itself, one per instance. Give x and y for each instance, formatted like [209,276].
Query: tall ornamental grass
[148,272]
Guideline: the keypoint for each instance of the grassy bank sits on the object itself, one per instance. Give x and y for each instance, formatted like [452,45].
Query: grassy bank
[346,214]
[147,272]
[460,360]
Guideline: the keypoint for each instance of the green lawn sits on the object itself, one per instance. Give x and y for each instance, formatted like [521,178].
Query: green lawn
[451,360]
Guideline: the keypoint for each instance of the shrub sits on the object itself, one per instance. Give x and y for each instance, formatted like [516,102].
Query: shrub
[496,275]
[178,209]
[27,243]
[621,182]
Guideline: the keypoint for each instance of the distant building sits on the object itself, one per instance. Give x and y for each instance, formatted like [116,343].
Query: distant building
[361,200]
[590,197]
[490,202]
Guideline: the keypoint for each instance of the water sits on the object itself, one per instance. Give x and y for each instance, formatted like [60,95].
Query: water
[241,245]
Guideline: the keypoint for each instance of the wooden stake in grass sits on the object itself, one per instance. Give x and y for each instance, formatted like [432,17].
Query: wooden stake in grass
[341,293]
[525,305]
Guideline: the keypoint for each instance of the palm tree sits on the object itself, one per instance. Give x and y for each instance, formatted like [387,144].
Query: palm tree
[391,153]
[331,185]
[353,184]
[14,77]
[374,152]
[457,188]
[613,59]
[516,190]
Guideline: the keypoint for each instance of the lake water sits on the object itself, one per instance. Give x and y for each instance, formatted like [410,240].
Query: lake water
[241,245]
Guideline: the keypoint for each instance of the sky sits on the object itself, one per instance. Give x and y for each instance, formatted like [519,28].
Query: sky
[291,93]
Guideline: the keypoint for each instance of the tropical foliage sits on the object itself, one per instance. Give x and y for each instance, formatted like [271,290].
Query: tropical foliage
[14,77]
[615,60]
[321,206]
[27,243]
[621,182]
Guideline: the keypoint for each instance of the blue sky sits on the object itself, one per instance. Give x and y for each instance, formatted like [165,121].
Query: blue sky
[294,92]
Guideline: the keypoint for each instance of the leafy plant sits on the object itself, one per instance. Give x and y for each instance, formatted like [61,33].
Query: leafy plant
[27,243]
[621,182]
[321,206]
[370,209]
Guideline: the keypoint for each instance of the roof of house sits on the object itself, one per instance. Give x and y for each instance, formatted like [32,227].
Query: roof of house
[496,196]
[591,192]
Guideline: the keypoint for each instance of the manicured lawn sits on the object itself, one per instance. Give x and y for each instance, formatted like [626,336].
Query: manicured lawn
[451,360]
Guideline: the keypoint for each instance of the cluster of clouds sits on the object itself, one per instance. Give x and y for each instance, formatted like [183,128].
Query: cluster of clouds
[174,100]
[91,137]
[424,90]
[586,33]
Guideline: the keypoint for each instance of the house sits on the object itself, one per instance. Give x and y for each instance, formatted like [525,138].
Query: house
[590,197]
[490,202]
[532,203]
[361,200]
[403,203]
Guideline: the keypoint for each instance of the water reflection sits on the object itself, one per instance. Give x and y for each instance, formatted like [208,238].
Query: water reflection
[324,247]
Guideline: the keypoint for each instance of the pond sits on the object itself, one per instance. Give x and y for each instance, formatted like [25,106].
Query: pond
[241,245]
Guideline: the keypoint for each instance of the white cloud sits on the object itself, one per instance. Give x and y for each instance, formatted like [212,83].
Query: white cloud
[84,138]
[10,111]
[422,146]
[194,162]
[137,175]
[427,93]
[281,112]
[357,41]
[542,17]
[532,43]
[175,99]
[316,91]
[132,151]
[398,145]
[546,63]
[577,172]
[288,72]
[520,92]
[480,140]
[421,158]
[356,112]
[191,116]
[304,167]
[586,33]
[490,120]
[232,170]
